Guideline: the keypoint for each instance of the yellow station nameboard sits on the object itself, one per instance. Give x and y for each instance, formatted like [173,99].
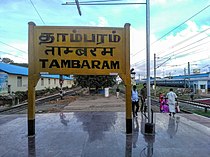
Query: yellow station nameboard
[79,50]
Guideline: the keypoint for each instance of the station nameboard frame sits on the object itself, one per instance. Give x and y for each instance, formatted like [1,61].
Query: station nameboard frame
[78,51]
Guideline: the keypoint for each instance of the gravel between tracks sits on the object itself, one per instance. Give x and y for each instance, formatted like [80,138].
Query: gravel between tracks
[87,102]
[96,103]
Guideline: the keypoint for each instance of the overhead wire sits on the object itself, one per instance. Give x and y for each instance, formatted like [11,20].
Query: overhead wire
[190,62]
[100,1]
[185,52]
[13,47]
[142,62]
[187,46]
[182,23]
[37,11]
[175,28]
[104,2]
[81,3]
[115,4]
[173,57]
[186,63]
[169,55]
[192,51]
[183,41]
[12,55]
[175,46]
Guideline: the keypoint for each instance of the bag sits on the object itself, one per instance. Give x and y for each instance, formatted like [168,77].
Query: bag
[177,109]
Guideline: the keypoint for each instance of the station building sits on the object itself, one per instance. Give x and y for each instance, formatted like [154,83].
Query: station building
[14,78]
[200,83]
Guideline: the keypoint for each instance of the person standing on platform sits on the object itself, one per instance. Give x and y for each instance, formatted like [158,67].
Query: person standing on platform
[135,101]
[160,97]
[172,98]
[143,94]
[165,105]
[192,95]
[118,92]
[161,101]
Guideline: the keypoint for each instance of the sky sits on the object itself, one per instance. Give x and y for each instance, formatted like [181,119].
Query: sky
[179,30]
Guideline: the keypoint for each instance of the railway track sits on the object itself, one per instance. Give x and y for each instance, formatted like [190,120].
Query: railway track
[195,103]
[39,101]
[189,106]
[186,105]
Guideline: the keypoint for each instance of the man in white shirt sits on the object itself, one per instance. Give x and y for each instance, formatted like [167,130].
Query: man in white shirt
[172,98]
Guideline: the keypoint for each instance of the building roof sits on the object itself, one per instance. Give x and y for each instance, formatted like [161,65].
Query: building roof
[13,69]
[19,70]
[56,77]
[202,75]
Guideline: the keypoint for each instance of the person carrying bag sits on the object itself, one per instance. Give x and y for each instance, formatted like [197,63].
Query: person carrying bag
[177,107]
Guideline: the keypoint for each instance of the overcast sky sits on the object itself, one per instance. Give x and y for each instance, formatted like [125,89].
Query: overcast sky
[174,48]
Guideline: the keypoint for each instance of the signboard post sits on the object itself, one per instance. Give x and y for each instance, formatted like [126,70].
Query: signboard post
[79,51]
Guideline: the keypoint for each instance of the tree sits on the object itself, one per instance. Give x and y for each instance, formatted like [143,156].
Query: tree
[95,81]
[7,60]
[21,64]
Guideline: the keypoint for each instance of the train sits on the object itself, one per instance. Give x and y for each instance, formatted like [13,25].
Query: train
[201,85]
[181,83]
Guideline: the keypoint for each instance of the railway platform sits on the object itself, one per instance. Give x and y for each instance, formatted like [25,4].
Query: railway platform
[102,134]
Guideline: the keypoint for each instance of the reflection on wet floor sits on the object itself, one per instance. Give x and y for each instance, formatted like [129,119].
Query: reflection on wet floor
[173,124]
[94,134]
[147,151]
[135,132]
[98,134]
[63,119]
[96,125]
[32,146]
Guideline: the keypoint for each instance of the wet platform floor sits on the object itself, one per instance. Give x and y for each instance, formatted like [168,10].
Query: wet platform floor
[102,134]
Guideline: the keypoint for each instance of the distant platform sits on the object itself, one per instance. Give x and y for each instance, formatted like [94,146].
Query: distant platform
[102,134]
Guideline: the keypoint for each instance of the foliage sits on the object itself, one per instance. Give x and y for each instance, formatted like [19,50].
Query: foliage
[23,95]
[6,60]
[21,64]
[10,61]
[95,81]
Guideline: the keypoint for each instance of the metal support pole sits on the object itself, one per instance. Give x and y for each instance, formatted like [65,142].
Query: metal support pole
[189,75]
[155,75]
[149,127]
[148,58]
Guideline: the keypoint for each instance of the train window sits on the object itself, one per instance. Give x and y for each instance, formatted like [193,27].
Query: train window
[48,81]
